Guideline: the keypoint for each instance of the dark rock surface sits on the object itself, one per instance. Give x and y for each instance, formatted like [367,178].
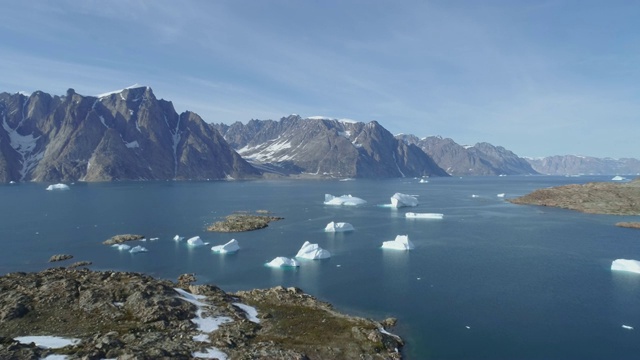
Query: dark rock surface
[242,222]
[578,165]
[60,257]
[129,315]
[119,239]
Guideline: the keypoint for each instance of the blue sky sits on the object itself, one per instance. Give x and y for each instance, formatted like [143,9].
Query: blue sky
[537,77]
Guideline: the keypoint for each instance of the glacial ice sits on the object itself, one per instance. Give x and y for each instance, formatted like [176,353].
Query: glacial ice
[47,342]
[196,241]
[58,187]
[282,261]
[399,200]
[413,215]
[137,249]
[338,227]
[231,246]
[312,252]
[121,246]
[178,238]
[347,200]
[401,242]
[626,265]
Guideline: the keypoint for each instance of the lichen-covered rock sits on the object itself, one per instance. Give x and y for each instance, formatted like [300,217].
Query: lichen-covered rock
[60,257]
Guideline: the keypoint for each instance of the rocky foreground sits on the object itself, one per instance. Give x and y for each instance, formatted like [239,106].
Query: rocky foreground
[593,198]
[134,316]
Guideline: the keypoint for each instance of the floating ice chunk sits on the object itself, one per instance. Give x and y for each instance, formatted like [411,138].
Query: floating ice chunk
[312,251]
[347,200]
[196,241]
[474,196]
[618,178]
[231,246]
[178,238]
[58,187]
[121,246]
[137,249]
[424,181]
[338,227]
[12,182]
[626,265]
[252,313]
[501,195]
[413,215]
[153,239]
[401,200]
[47,342]
[282,261]
[627,327]
[401,242]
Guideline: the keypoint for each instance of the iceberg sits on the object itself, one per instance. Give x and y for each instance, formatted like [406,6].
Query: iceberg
[121,246]
[401,200]
[401,242]
[618,178]
[626,265]
[231,246]
[347,200]
[196,241]
[312,252]
[58,187]
[413,215]
[338,227]
[282,261]
[423,181]
[178,238]
[137,249]
[501,195]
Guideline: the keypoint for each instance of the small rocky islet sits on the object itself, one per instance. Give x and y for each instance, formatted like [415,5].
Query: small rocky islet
[239,222]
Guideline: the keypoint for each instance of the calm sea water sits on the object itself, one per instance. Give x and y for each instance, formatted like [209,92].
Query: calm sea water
[491,280]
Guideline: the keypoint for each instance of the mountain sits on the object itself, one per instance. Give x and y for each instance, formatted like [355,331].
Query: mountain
[480,159]
[578,165]
[123,135]
[327,147]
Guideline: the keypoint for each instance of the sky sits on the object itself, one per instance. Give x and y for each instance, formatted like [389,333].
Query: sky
[537,77]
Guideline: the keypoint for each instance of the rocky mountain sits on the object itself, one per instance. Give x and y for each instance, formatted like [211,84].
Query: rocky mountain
[480,159]
[123,135]
[327,147]
[578,165]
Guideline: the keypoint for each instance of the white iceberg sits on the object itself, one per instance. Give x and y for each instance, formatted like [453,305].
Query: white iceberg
[413,215]
[282,261]
[312,252]
[121,246]
[338,227]
[401,242]
[401,200]
[474,195]
[137,249]
[58,187]
[424,181]
[618,178]
[196,241]
[347,200]
[626,265]
[178,238]
[231,246]
[501,195]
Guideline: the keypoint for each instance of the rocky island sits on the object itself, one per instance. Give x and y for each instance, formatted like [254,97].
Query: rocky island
[243,222]
[593,198]
[108,314]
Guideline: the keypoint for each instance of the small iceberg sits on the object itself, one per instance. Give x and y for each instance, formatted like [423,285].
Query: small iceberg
[627,327]
[230,247]
[196,241]
[423,181]
[501,195]
[399,200]
[338,227]
[618,178]
[346,200]
[312,252]
[178,238]
[121,247]
[282,261]
[137,249]
[401,242]
[475,196]
[57,187]
[413,215]
[626,265]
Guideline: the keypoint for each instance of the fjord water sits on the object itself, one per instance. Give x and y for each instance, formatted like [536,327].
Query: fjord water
[490,280]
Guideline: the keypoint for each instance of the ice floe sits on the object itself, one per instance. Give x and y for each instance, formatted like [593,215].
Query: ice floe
[627,327]
[196,241]
[58,187]
[121,247]
[401,200]
[338,227]
[231,246]
[501,195]
[312,252]
[401,242]
[48,342]
[413,215]
[137,249]
[474,195]
[626,265]
[347,200]
[282,261]
[250,311]
[423,181]
[178,238]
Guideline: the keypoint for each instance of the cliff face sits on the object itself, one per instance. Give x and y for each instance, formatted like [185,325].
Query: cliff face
[125,135]
[328,147]
[578,165]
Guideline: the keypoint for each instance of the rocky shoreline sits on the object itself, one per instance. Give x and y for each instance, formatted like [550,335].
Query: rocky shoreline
[593,198]
[128,315]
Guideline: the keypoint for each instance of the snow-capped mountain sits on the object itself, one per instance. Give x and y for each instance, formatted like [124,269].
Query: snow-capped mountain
[126,134]
[327,147]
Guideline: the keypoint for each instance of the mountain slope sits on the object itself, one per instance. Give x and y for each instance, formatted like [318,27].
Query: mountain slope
[577,165]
